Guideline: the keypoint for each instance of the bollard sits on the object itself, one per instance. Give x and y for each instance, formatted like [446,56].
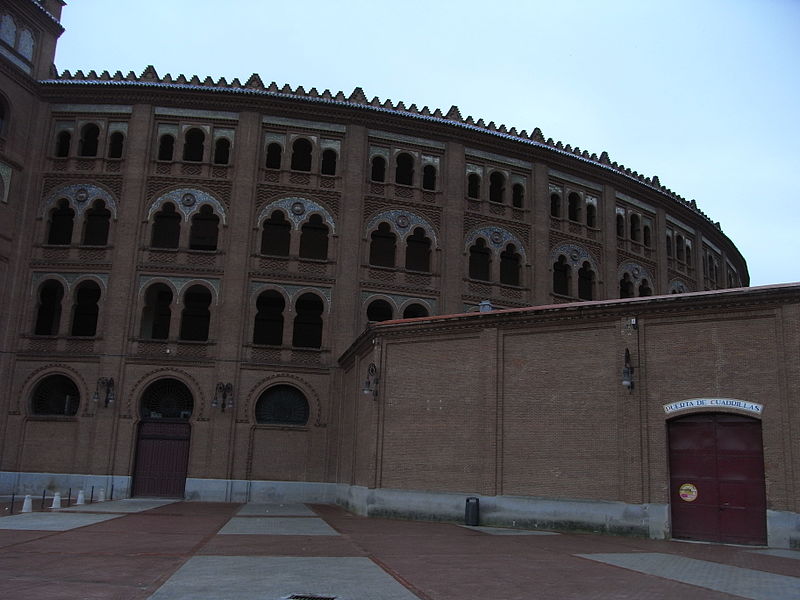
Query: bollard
[91,497]
[471,517]
[111,494]
[27,504]
[81,498]
[101,495]
[43,494]
[13,497]
[69,498]
[56,501]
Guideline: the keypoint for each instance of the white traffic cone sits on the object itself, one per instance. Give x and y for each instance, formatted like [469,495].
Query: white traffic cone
[56,501]
[81,498]
[101,495]
[27,505]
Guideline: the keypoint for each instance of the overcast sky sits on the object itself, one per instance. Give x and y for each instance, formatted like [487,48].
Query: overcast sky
[703,93]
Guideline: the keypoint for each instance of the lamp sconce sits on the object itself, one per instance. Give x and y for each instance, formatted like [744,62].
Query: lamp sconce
[223,397]
[627,372]
[371,383]
[106,384]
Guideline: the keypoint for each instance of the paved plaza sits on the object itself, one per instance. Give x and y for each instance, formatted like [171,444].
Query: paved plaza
[168,550]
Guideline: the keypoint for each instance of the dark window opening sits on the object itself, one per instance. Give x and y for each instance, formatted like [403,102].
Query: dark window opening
[115,144]
[688,254]
[3,116]
[301,155]
[268,327]
[274,152]
[586,282]
[680,247]
[63,141]
[418,251]
[308,322]
[222,151]
[276,235]
[379,310]
[646,236]
[620,226]
[574,207]
[509,265]
[166,227]
[95,230]
[157,312]
[196,316]
[55,395]
[404,171]
[382,246]
[497,187]
[61,224]
[636,228]
[328,166]
[645,289]
[561,276]
[282,405]
[480,261]
[517,195]
[429,177]
[415,311]
[48,313]
[204,232]
[626,286]
[86,310]
[669,246]
[591,215]
[378,172]
[194,145]
[167,399]
[314,239]
[474,186]
[555,206]
[166,147]
[87,145]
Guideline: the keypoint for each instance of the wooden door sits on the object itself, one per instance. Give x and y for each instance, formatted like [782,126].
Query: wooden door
[162,458]
[717,490]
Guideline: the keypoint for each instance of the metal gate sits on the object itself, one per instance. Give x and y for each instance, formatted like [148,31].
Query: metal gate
[162,458]
[717,490]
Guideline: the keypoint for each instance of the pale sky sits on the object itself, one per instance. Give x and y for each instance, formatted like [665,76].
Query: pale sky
[703,93]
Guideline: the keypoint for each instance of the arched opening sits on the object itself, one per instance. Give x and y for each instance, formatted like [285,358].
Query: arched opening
[645,289]
[404,171]
[116,143]
[4,116]
[157,312]
[555,206]
[418,251]
[574,207]
[63,142]
[268,327]
[166,147]
[626,286]
[55,395]
[480,261]
[379,310]
[688,254]
[668,240]
[517,195]
[194,145]
[497,187]
[680,247]
[586,282]
[222,151]
[86,309]
[87,145]
[274,152]
[282,405]
[561,276]
[314,238]
[636,228]
[378,170]
[591,216]
[509,265]
[204,232]
[48,313]
[307,331]
[647,236]
[166,231]
[328,166]
[61,224]
[196,315]
[382,246]
[415,311]
[276,235]
[98,219]
[429,177]
[474,186]
[620,226]
[301,155]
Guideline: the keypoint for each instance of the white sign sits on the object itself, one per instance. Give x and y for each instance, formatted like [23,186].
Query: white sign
[751,407]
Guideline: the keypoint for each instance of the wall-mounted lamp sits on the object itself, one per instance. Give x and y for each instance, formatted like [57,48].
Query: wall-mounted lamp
[106,384]
[627,372]
[371,383]
[223,397]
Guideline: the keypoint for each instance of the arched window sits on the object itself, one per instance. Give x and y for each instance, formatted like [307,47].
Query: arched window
[680,246]
[167,399]
[301,155]
[480,261]
[48,313]
[63,142]
[274,152]
[415,311]
[509,265]
[574,206]
[196,316]
[205,229]
[382,246]
[429,177]
[636,228]
[626,286]
[474,186]
[282,405]
[3,116]
[646,237]
[115,144]
[308,322]
[157,312]
[61,223]
[404,170]
[194,145]
[561,276]
[314,238]
[268,327]
[95,229]
[55,395]
[328,166]
[418,251]
[166,147]
[645,289]
[586,282]
[276,235]
[497,187]
[222,151]
[87,146]
[379,310]
[86,309]
[166,227]
[620,226]
[669,245]
[688,254]
[378,171]
[517,195]
[591,216]
[555,206]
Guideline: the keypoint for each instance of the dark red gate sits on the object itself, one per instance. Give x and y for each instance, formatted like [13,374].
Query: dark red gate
[162,458]
[717,490]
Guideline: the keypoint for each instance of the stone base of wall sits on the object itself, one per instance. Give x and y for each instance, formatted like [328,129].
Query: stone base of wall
[37,483]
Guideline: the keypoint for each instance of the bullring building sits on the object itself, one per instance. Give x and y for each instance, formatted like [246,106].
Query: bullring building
[232,291]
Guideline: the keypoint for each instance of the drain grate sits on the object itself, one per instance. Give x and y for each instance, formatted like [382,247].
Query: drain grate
[310,597]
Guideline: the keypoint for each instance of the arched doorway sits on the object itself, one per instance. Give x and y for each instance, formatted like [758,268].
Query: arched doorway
[162,445]
[717,491]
